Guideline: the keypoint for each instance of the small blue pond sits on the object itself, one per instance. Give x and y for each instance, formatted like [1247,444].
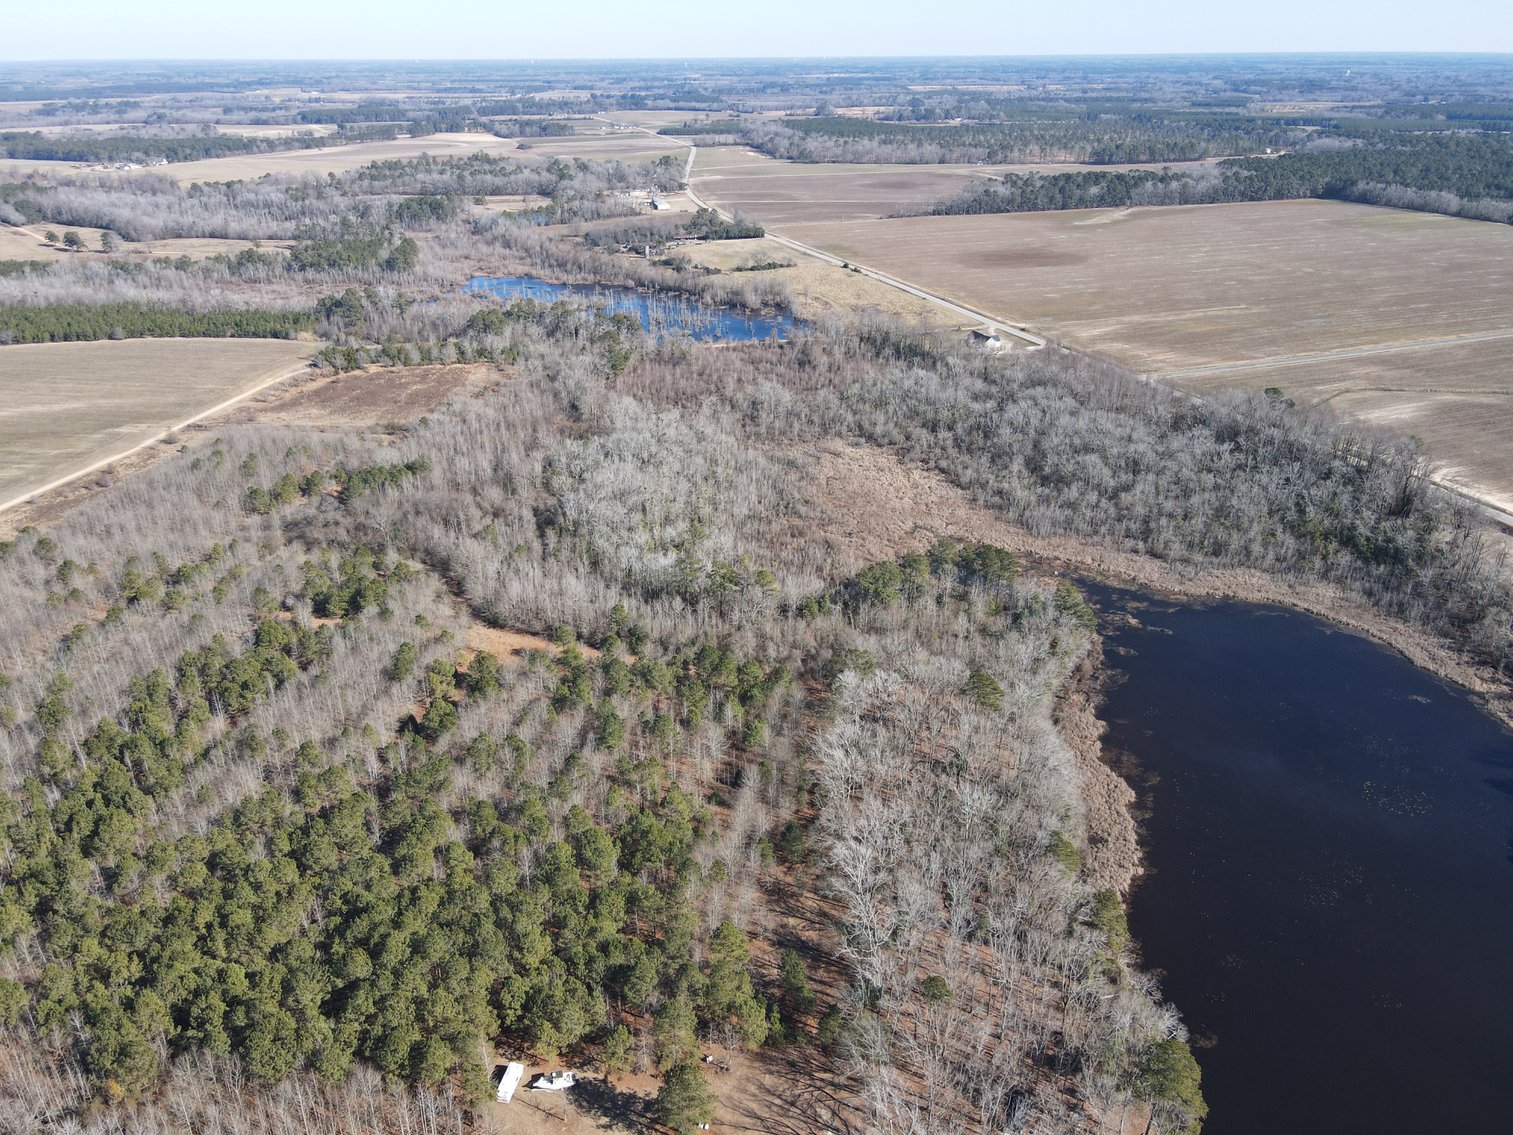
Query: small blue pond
[658,311]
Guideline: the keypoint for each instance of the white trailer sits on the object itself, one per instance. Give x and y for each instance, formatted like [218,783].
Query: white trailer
[509,1080]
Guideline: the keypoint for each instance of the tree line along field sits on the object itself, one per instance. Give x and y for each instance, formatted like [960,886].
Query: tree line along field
[1321,299]
[781,192]
[332,159]
[66,406]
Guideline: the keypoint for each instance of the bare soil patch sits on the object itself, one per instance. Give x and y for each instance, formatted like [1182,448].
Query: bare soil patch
[512,646]
[363,399]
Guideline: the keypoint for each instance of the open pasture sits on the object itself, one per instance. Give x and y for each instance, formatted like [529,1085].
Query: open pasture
[275,130]
[27,242]
[66,406]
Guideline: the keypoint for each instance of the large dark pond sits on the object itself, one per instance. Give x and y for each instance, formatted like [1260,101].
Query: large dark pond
[1331,891]
[657,311]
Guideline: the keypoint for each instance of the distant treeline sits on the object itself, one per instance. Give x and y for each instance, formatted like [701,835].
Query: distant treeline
[690,129]
[1468,176]
[171,148]
[525,119]
[529,127]
[69,323]
[1137,136]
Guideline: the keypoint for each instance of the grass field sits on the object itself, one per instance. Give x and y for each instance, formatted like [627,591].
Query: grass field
[26,243]
[1404,319]
[66,406]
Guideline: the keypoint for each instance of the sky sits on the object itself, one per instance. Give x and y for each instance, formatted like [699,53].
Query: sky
[662,29]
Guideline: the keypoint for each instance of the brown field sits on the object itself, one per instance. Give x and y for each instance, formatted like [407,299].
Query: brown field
[625,146]
[320,161]
[655,119]
[319,129]
[783,193]
[64,407]
[26,244]
[18,169]
[511,203]
[1471,435]
[1403,319]
[1175,289]
[361,400]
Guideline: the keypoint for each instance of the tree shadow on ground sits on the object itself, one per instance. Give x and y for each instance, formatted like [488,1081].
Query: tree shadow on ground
[610,1108]
[808,1103]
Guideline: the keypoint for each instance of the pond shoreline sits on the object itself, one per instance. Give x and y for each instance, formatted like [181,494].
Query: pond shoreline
[1322,836]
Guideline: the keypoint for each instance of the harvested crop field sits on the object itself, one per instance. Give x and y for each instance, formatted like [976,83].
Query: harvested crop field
[592,145]
[1328,301]
[1173,289]
[1471,435]
[783,193]
[64,407]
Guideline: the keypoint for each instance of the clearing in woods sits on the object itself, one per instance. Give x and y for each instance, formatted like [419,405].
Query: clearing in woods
[66,408]
[1402,319]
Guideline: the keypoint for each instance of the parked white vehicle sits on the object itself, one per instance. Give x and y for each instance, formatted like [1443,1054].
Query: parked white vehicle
[554,1082]
[509,1080]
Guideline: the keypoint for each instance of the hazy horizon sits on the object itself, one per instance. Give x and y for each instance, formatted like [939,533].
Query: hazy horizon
[184,30]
